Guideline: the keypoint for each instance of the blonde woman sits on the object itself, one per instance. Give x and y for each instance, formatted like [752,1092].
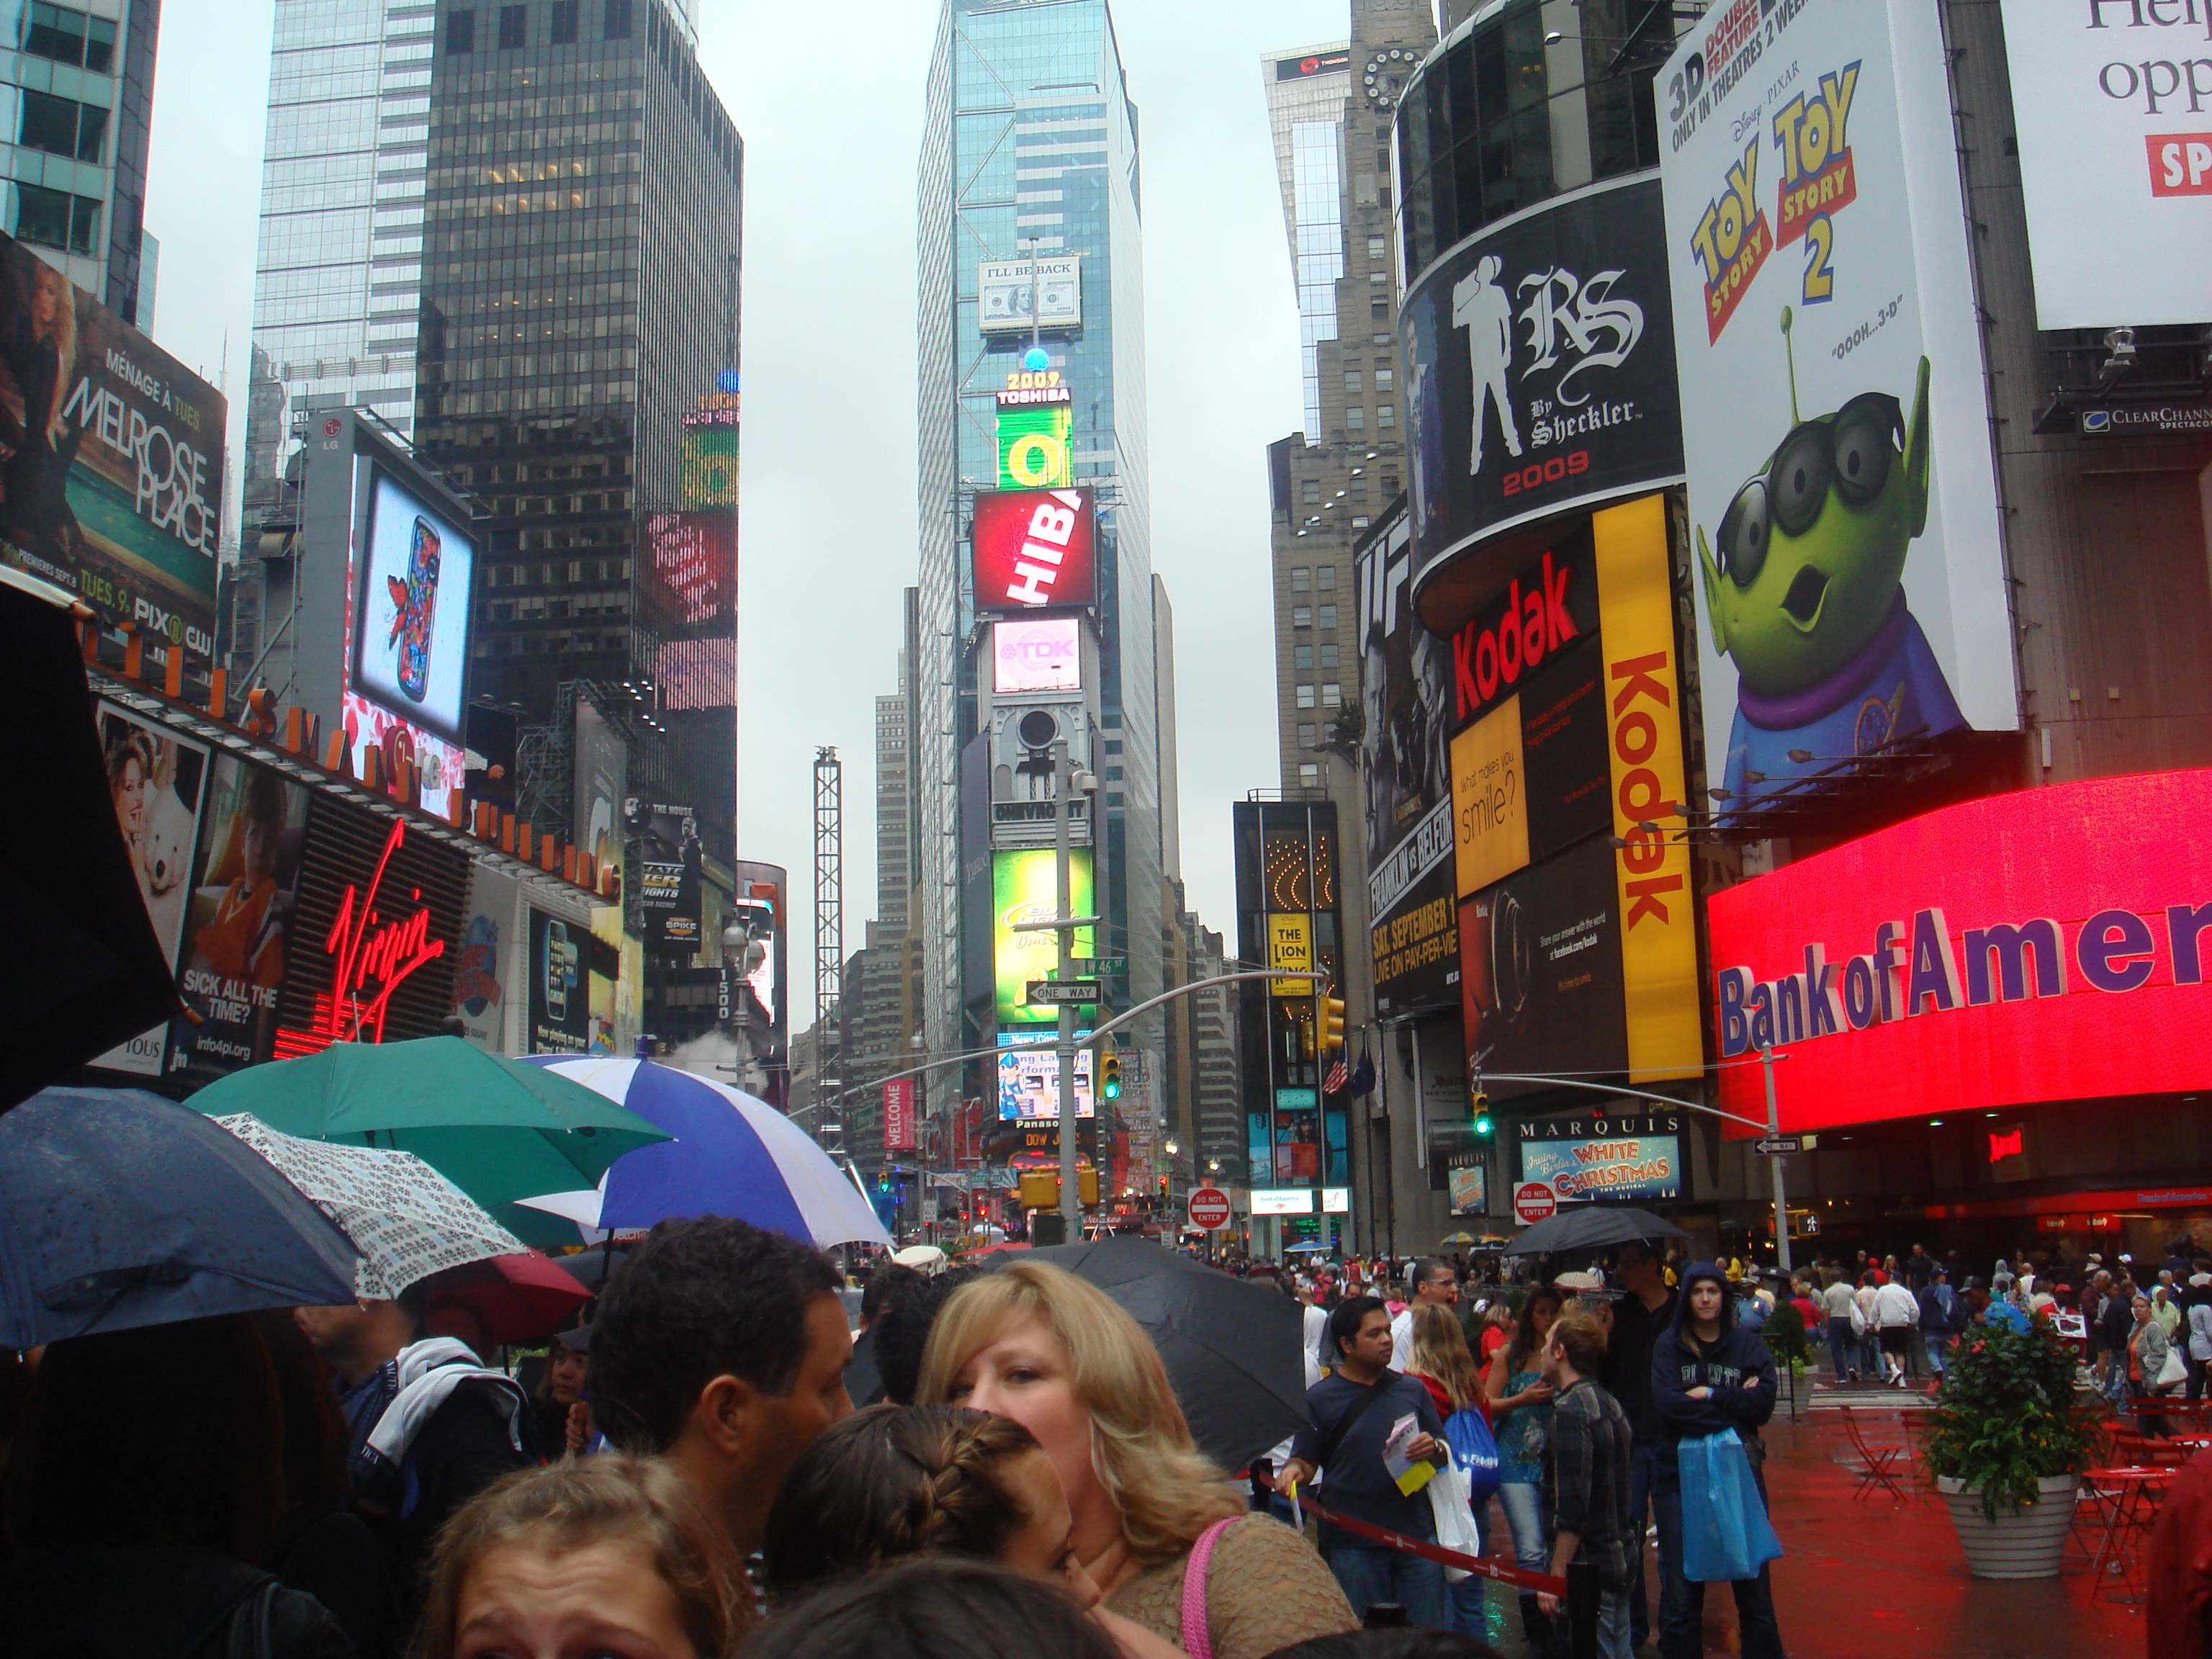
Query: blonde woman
[1036,1344]
[1443,1363]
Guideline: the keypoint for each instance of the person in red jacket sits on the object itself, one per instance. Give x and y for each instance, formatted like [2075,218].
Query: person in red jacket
[2179,1621]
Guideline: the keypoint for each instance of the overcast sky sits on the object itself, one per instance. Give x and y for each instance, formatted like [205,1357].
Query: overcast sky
[829,100]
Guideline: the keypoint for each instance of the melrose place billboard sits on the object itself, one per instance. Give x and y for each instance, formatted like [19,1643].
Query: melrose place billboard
[1974,959]
[1842,498]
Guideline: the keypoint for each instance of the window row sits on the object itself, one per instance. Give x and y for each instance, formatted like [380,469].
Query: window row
[547,574]
[1355,417]
[1302,656]
[563,24]
[65,36]
[1331,696]
[62,126]
[1324,577]
[1385,380]
[54,218]
[1302,616]
[558,607]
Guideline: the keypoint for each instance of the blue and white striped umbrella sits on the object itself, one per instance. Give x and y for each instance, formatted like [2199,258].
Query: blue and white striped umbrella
[733,1154]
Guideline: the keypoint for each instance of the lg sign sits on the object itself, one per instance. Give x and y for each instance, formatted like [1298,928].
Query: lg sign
[1975,958]
[1034,547]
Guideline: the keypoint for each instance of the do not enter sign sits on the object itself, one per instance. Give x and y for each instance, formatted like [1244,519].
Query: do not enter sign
[1534,1201]
[1209,1208]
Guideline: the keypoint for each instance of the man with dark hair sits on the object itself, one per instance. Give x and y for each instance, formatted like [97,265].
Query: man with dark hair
[1638,1320]
[721,1347]
[1586,1472]
[1431,1279]
[428,1426]
[1361,1414]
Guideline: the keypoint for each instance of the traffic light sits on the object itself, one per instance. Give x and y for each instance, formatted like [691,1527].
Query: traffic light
[1332,1023]
[1109,1073]
[1482,1123]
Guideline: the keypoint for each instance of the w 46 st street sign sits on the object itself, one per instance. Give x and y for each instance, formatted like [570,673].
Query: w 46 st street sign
[1043,993]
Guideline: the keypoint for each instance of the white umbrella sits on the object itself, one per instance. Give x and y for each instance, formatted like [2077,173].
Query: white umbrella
[406,1219]
[918,1255]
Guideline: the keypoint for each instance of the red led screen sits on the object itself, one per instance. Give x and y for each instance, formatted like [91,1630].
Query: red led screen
[1034,547]
[2046,946]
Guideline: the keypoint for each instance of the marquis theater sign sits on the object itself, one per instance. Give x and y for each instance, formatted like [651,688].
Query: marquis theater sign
[2045,945]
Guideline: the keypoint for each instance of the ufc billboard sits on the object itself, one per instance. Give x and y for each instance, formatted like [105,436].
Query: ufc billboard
[1034,547]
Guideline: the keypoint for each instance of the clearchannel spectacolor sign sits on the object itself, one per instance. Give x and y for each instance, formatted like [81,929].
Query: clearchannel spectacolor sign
[2044,945]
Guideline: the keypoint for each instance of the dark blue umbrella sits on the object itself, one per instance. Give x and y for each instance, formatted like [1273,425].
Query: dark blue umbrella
[119,1208]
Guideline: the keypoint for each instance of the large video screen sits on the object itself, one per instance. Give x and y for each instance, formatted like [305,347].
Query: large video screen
[1028,1080]
[1043,654]
[411,609]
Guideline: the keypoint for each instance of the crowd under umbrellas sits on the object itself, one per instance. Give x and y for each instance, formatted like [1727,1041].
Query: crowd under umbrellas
[330,1262]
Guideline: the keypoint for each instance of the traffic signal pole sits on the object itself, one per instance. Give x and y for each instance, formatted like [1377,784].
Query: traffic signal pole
[1071,1197]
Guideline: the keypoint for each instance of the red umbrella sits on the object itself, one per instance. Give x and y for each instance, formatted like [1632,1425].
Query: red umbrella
[511,1298]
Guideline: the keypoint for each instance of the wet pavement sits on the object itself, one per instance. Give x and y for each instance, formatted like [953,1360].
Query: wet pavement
[1879,1577]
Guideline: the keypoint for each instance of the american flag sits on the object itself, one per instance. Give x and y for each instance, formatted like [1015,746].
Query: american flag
[1338,1078]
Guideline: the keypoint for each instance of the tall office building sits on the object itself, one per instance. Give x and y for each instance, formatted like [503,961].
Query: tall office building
[80,92]
[1030,149]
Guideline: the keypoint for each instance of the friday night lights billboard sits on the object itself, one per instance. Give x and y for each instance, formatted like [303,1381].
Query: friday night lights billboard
[1851,591]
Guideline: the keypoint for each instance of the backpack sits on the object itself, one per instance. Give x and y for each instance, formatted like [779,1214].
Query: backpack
[1474,1452]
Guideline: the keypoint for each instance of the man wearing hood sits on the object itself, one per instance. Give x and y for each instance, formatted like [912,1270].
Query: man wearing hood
[1707,1375]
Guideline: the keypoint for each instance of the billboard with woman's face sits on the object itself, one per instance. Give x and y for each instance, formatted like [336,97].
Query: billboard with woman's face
[156,780]
[110,459]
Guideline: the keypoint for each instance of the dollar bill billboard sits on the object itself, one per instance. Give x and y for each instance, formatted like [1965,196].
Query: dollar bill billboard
[1842,493]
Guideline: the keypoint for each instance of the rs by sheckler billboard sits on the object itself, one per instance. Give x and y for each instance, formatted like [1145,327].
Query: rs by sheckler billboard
[1850,586]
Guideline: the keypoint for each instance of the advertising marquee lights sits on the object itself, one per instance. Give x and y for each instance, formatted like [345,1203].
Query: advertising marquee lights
[2040,946]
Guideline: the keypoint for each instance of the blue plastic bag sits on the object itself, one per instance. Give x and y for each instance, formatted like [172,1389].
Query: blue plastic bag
[1725,1531]
[1475,1451]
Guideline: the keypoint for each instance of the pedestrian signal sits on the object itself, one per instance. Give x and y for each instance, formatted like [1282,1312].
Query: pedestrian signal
[1332,1023]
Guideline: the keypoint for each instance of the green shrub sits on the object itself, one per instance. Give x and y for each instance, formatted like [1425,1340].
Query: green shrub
[2005,1417]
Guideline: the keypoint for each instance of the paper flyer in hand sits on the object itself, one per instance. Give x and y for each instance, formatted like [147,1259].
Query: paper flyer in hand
[1411,1473]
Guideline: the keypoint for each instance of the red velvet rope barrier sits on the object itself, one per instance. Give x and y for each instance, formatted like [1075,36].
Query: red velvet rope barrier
[1535,1583]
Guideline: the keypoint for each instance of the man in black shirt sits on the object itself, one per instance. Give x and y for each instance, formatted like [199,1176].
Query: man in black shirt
[1638,1320]
[1355,1413]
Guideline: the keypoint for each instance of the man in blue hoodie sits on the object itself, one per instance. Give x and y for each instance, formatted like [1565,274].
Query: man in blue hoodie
[1706,1375]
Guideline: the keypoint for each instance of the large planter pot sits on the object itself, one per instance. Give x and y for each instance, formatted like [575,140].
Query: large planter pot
[2026,1545]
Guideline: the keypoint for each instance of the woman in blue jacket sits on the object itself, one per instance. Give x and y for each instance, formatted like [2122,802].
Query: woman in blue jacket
[1707,1375]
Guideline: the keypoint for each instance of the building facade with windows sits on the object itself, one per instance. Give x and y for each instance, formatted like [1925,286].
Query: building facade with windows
[79,85]
[1029,148]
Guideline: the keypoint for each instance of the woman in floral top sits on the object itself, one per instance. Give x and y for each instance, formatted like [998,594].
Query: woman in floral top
[1520,1416]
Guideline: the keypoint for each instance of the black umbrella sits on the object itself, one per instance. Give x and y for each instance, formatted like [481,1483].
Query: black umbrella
[90,971]
[1589,1226]
[1230,1347]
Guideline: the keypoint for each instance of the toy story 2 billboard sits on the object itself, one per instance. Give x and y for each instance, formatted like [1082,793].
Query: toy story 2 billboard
[1850,589]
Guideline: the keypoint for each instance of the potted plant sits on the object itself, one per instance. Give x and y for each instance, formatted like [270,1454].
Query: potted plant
[2006,1446]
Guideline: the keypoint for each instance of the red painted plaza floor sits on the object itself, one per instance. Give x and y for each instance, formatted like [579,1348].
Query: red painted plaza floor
[1881,1578]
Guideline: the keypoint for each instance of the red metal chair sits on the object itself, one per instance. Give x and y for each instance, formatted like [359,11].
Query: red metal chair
[1877,1465]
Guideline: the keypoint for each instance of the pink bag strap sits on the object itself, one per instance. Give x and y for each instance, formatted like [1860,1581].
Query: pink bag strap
[1195,1641]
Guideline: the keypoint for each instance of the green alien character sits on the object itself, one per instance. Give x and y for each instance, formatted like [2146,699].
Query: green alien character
[1805,595]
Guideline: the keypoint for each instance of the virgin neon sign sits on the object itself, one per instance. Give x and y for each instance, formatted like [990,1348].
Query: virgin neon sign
[374,955]
[2052,945]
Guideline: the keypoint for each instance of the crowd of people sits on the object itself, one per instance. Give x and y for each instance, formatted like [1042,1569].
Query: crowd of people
[688,1477]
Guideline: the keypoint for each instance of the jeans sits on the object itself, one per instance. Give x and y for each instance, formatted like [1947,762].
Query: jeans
[1939,1347]
[2197,1370]
[1612,1636]
[1369,1573]
[1842,1348]
[1640,1461]
[1682,1603]
[1469,1613]
[1528,1515]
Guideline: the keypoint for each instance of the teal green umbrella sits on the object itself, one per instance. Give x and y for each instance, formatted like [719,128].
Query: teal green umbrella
[497,1129]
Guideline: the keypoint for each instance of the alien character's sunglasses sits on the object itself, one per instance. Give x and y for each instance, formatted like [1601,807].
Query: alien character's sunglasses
[1853,452]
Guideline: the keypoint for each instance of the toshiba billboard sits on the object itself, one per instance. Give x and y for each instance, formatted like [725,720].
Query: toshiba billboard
[1034,547]
[2044,945]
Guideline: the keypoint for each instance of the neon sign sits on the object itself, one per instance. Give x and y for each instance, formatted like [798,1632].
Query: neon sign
[2047,945]
[2012,1143]
[375,957]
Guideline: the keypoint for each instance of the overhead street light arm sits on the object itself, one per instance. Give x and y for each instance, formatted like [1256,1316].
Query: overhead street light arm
[1611,1089]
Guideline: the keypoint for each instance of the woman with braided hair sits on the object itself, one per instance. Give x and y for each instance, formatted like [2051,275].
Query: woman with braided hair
[897,1482]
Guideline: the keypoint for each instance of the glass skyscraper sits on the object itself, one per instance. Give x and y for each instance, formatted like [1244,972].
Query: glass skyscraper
[1030,147]
[76,85]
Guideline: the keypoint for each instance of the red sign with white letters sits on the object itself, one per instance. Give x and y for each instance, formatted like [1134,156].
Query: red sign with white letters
[1209,1208]
[1034,547]
[2050,944]
[1534,1201]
